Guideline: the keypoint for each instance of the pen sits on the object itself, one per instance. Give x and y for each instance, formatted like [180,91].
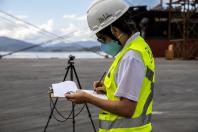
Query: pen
[102,77]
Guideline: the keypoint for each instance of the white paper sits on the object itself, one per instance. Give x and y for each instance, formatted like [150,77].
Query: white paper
[60,89]
[93,93]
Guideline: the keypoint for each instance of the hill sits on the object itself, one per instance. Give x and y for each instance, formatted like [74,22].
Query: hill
[9,44]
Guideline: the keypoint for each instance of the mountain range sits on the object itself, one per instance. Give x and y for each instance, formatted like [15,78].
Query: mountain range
[10,44]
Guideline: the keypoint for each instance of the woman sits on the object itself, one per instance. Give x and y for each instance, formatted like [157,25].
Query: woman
[130,79]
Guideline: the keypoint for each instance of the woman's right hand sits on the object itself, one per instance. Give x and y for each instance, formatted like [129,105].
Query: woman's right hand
[99,87]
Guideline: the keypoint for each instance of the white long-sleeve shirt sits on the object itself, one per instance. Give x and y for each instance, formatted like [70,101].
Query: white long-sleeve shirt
[130,74]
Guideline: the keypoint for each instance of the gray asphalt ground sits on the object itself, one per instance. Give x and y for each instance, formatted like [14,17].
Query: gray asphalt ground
[24,102]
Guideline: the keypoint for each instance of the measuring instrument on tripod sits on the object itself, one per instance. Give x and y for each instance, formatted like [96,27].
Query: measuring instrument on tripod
[70,69]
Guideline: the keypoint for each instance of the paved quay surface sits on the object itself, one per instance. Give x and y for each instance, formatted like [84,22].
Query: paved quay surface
[24,102]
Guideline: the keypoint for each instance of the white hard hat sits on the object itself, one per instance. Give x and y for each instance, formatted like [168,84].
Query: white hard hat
[102,13]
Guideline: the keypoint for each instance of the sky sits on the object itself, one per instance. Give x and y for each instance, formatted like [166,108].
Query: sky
[61,17]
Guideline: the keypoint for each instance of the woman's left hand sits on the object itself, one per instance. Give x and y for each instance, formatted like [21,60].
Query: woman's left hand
[79,97]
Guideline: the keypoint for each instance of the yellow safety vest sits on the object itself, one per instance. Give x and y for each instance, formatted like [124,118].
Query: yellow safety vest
[141,119]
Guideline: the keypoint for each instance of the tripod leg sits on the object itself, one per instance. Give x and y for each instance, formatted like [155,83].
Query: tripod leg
[85,103]
[75,73]
[66,73]
[73,105]
[90,118]
[50,116]
[73,117]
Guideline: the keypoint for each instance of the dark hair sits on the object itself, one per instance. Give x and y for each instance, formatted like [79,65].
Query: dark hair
[107,31]
[125,23]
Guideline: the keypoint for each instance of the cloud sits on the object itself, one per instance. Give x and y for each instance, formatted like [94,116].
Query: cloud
[22,16]
[77,33]
[75,17]
[77,25]
[19,30]
[84,17]
[74,25]
[49,26]
[69,16]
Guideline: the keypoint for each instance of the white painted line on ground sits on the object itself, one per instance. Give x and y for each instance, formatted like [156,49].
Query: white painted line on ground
[157,113]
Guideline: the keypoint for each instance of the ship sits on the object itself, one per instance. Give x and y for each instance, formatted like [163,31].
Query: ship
[176,24]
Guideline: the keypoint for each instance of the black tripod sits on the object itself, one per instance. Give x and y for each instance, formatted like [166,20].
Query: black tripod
[73,73]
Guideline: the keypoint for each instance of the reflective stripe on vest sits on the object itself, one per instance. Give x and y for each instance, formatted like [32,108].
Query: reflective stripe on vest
[125,122]
[132,122]
[149,74]
[149,99]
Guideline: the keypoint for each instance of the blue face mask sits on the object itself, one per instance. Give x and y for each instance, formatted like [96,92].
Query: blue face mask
[112,48]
